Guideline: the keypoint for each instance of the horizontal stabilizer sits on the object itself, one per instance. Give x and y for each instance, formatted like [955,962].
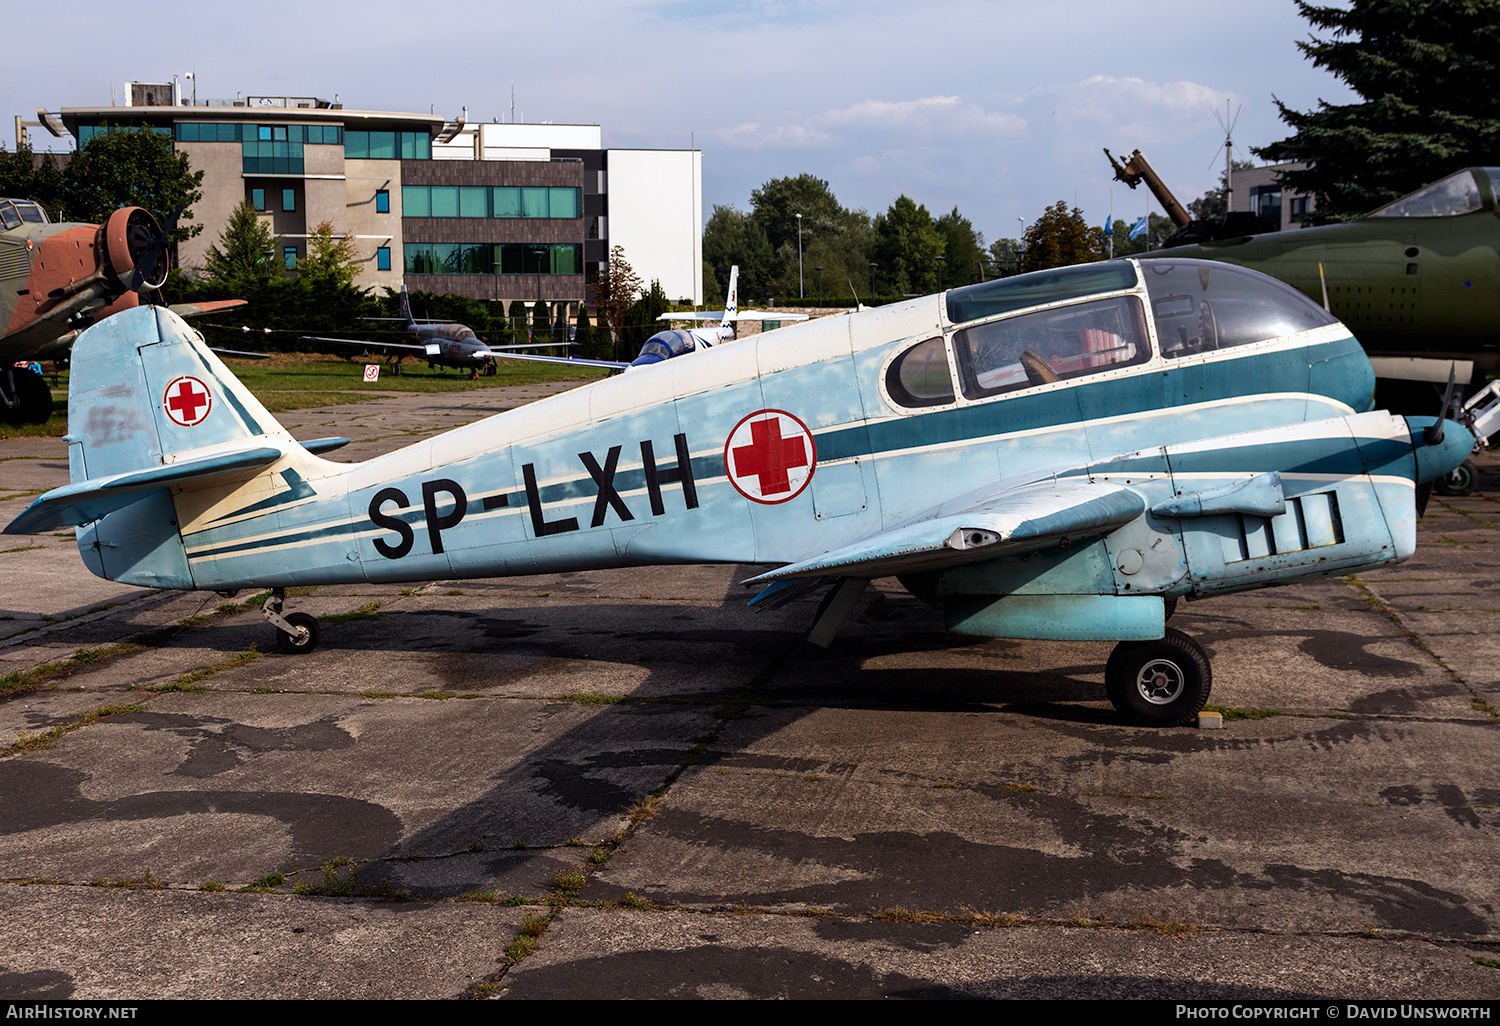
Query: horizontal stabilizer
[74,505]
[1018,520]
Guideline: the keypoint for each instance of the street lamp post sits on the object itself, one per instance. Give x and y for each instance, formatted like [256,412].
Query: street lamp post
[801,293]
[820,286]
[940,261]
[539,251]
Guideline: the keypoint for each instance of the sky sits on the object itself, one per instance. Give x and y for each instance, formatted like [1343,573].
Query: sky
[1000,109]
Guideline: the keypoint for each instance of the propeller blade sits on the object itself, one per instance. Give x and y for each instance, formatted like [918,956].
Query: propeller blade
[1434,434]
[1424,492]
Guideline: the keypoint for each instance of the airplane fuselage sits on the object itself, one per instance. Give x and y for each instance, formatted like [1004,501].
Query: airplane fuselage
[765,451]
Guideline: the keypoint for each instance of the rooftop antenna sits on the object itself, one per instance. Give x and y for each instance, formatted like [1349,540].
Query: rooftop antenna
[513,101]
[1227,123]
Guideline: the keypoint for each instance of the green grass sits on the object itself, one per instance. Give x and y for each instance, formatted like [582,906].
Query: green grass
[318,373]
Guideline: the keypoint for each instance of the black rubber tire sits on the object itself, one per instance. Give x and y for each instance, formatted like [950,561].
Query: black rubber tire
[1159,683]
[1170,607]
[1464,480]
[289,644]
[35,396]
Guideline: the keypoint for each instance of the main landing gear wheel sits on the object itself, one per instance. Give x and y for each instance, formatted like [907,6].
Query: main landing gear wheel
[1159,683]
[1461,480]
[298,644]
[24,396]
[296,633]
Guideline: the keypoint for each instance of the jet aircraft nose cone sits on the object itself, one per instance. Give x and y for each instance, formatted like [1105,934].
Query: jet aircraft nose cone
[1437,459]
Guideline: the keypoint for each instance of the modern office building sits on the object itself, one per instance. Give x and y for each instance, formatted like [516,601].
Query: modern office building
[1259,189]
[488,210]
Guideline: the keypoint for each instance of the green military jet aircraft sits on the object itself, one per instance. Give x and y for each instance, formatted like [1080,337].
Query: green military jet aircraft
[1417,281]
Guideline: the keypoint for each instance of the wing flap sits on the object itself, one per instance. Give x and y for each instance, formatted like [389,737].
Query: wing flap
[1012,522]
[74,505]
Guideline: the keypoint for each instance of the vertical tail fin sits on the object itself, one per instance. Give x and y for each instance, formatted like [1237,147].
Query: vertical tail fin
[731,299]
[404,310]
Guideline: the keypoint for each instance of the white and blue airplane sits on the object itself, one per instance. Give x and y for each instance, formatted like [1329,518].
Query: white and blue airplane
[1059,455]
[674,342]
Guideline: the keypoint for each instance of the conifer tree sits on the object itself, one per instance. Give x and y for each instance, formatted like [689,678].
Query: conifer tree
[1425,72]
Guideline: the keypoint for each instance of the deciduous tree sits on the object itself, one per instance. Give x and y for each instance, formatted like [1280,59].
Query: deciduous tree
[1061,237]
[132,167]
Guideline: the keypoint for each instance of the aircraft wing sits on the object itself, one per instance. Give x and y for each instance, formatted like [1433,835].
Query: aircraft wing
[743,315]
[207,307]
[430,349]
[1013,521]
[576,361]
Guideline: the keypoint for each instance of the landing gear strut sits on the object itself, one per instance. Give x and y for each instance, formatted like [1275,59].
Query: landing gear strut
[1159,683]
[296,633]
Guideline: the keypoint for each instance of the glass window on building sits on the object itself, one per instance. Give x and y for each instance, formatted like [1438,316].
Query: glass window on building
[418,257]
[263,133]
[289,256]
[444,201]
[1265,200]
[289,199]
[383,258]
[415,146]
[446,257]
[533,202]
[563,203]
[416,201]
[382,145]
[382,201]
[473,202]
[507,201]
[258,199]
[567,259]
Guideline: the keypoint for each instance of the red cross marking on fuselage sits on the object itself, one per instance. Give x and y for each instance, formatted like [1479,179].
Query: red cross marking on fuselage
[769,456]
[187,401]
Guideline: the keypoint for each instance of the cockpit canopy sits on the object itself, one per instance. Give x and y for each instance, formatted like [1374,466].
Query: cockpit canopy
[664,345]
[1461,193]
[16,212]
[1076,322]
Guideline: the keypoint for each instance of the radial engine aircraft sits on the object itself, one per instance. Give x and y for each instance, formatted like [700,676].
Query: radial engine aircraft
[58,278]
[440,343]
[1053,455]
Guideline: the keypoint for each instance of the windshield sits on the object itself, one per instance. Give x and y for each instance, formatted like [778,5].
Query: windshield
[1036,289]
[1456,194]
[1200,306]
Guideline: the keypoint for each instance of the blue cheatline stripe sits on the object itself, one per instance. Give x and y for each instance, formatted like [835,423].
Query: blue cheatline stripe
[1252,375]
[1138,393]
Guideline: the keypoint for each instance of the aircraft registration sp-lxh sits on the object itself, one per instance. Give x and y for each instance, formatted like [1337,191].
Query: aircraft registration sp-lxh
[1053,455]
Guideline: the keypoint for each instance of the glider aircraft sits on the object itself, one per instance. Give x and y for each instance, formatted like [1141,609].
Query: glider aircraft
[1053,455]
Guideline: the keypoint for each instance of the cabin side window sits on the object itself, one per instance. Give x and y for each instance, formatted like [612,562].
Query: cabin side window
[919,376]
[1051,345]
[1201,307]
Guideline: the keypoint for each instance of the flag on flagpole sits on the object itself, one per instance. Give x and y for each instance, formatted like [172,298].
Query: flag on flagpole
[1139,228]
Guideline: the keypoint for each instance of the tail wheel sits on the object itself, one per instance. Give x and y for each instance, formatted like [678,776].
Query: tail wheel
[1461,480]
[298,644]
[1159,683]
